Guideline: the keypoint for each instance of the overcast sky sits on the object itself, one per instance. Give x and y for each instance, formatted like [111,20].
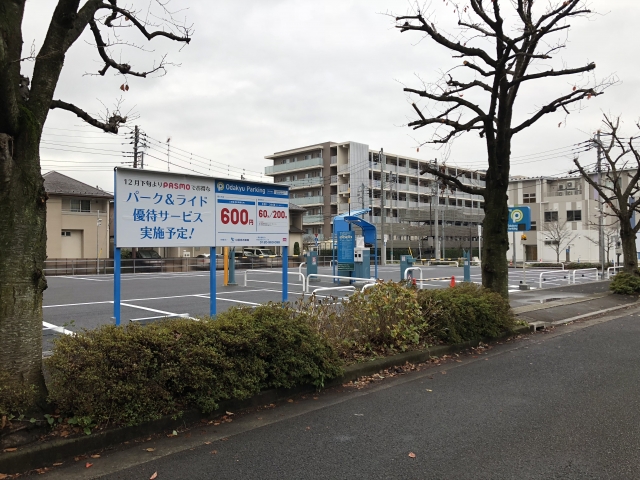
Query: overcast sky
[262,76]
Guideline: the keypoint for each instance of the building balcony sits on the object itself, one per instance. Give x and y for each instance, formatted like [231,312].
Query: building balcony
[334,179]
[334,160]
[293,166]
[334,198]
[304,183]
[312,219]
[344,188]
[343,169]
[319,199]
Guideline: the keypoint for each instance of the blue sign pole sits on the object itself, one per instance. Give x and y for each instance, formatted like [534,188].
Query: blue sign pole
[116,285]
[116,256]
[285,274]
[213,263]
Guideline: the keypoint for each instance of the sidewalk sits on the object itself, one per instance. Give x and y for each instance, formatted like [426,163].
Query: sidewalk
[555,306]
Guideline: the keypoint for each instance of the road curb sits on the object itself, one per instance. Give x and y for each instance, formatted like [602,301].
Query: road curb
[45,454]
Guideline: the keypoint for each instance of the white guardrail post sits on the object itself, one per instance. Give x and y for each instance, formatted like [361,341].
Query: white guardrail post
[351,288]
[595,270]
[406,273]
[300,274]
[317,275]
[614,271]
[553,272]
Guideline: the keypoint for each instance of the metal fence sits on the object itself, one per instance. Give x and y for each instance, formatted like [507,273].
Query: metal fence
[86,266]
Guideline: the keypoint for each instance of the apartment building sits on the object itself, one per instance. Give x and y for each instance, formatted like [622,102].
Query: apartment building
[333,178]
[566,207]
[77,218]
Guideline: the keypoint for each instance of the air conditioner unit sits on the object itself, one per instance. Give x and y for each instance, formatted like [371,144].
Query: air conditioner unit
[569,184]
[560,187]
[559,194]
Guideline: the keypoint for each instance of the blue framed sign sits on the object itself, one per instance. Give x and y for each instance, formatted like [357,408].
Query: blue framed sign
[519,219]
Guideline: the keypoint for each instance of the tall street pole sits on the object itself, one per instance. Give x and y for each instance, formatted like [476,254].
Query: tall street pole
[600,213]
[382,213]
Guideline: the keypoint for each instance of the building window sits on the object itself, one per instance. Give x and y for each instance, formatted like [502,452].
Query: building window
[574,215]
[533,226]
[550,216]
[66,233]
[80,205]
[528,198]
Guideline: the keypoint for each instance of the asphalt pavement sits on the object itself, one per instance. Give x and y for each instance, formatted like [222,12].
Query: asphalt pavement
[560,404]
[72,303]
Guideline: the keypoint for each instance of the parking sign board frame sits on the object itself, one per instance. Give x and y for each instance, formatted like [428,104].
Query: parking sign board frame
[162,209]
[250,213]
[157,209]
[519,219]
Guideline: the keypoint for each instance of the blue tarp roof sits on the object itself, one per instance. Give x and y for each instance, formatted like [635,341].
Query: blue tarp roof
[341,224]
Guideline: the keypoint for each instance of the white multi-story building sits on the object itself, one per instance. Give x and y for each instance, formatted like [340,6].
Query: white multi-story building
[565,207]
[333,178]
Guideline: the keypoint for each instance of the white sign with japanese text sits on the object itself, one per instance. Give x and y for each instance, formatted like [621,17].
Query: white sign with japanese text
[254,214]
[158,209]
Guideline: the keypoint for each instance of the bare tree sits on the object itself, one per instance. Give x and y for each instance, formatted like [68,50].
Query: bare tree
[558,236]
[617,185]
[610,234]
[23,112]
[499,53]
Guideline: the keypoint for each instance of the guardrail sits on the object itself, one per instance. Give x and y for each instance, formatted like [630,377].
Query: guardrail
[614,270]
[594,270]
[351,289]
[567,276]
[300,274]
[406,273]
[334,277]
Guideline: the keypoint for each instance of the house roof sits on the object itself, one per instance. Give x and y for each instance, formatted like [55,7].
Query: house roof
[294,229]
[58,184]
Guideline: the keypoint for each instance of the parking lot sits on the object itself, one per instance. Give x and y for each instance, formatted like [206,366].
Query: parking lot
[72,303]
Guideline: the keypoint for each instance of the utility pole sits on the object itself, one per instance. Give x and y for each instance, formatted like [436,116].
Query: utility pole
[437,236]
[600,213]
[382,194]
[141,160]
[394,179]
[136,139]
[362,198]
[169,154]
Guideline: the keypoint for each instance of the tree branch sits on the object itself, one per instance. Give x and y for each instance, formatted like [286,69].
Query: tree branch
[111,126]
[553,73]
[573,97]
[450,181]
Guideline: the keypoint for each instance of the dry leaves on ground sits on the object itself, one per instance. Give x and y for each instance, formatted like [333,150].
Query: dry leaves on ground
[154,476]
[412,455]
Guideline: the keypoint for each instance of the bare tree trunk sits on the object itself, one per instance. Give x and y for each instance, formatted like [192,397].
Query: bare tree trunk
[628,240]
[22,254]
[495,246]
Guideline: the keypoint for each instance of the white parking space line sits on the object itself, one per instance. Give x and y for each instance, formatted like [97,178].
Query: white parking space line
[182,315]
[230,300]
[83,278]
[277,283]
[55,328]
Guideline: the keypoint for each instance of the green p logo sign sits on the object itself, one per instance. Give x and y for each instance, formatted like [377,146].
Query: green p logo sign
[516,215]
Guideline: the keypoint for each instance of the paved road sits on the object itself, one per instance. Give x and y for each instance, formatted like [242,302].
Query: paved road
[75,302]
[554,405]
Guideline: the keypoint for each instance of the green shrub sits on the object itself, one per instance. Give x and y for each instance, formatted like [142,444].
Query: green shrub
[465,312]
[296,248]
[625,284]
[133,374]
[16,398]
[384,317]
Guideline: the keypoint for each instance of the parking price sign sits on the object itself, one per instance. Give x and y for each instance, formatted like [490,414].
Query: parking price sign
[251,214]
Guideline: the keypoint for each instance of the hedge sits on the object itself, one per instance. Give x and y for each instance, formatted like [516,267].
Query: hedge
[132,374]
[129,375]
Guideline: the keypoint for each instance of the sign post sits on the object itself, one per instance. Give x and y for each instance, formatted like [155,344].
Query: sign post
[159,209]
[519,221]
